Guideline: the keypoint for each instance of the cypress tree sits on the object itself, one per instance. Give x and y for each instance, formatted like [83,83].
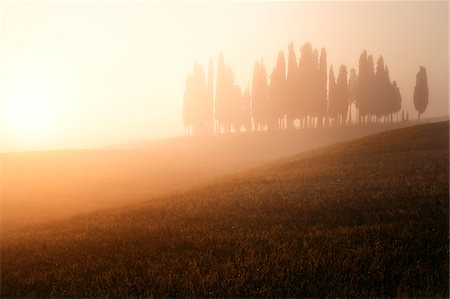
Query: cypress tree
[342,95]
[187,104]
[277,93]
[397,99]
[210,99]
[306,77]
[362,87]
[332,103]
[352,86]
[421,92]
[292,90]
[220,105]
[259,96]
[322,87]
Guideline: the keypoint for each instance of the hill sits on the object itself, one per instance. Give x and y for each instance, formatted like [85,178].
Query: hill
[50,185]
[365,218]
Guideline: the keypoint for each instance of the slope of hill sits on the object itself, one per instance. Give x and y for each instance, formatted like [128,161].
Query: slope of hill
[366,218]
[43,186]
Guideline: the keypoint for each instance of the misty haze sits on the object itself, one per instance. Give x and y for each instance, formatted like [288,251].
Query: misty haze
[224,149]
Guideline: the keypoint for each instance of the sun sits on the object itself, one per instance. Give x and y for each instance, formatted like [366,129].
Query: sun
[31,110]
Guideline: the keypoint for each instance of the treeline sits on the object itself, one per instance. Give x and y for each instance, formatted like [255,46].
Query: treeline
[298,93]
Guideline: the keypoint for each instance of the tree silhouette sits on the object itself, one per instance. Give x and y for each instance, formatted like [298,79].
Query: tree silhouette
[260,105]
[187,105]
[362,89]
[381,96]
[352,86]
[332,99]
[341,95]
[277,94]
[296,91]
[421,92]
[245,115]
[292,87]
[196,108]
[322,88]
[371,94]
[221,90]
[234,103]
[228,99]
[210,96]
[396,98]
[306,82]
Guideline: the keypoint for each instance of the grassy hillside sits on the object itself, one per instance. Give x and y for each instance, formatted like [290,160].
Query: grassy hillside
[366,218]
[43,186]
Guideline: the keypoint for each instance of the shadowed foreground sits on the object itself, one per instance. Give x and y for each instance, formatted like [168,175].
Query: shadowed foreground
[363,218]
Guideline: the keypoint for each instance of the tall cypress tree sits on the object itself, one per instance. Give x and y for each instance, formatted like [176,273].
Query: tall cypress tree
[292,90]
[379,105]
[322,87]
[362,87]
[195,103]
[210,97]
[397,98]
[277,93]
[352,86]
[245,116]
[306,75]
[332,100]
[342,95]
[259,96]
[421,92]
[370,92]
[220,105]
[187,104]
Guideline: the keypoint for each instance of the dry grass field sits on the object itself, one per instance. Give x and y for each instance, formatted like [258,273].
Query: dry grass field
[363,218]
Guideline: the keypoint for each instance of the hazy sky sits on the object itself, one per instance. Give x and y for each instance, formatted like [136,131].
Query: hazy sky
[95,73]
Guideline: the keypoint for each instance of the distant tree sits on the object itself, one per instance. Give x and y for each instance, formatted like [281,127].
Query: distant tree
[332,99]
[341,95]
[306,82]
[292,87]
[380,105]
[366,96]
[196,114]
[235,107]
[421,92]
[352,86]
[210,98]
[371,95]
[260,105]
[396,99]
[233,102]
[221,90]
[322,87]
[245,117]
[277,94]
[187,105]
[362,89]
[228,99]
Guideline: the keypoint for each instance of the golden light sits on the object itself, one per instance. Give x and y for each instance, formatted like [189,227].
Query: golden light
[31,110]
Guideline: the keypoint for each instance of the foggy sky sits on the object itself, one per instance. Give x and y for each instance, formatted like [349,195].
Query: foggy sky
[115,71]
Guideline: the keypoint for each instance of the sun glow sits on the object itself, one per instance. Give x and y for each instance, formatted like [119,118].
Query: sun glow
[31,111]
